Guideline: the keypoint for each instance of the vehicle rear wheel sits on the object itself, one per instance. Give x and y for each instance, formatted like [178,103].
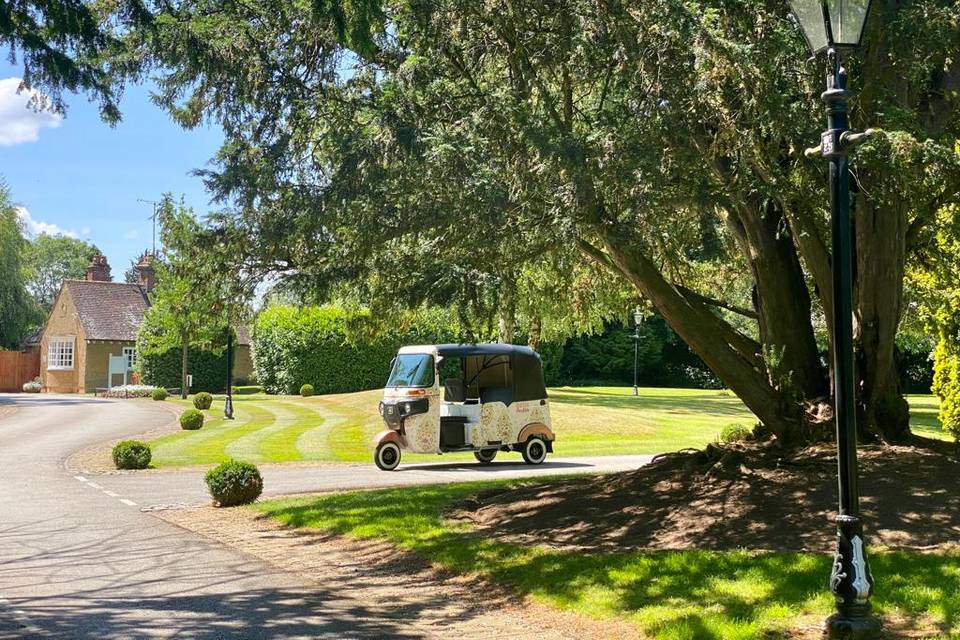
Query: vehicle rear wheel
[387,456]
[485,456]
[535,450]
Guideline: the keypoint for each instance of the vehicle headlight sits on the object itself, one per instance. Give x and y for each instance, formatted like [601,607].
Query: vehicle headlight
[380,408]
[406,407]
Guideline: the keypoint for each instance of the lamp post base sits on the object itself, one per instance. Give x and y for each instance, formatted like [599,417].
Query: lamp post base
[854,625]
[635,391]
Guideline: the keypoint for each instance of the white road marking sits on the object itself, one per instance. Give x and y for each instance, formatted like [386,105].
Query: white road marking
[111,494]
[130,503]
[80,478]
[94,485]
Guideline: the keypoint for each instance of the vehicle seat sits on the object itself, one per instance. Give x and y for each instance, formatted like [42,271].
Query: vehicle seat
[496,394]
[453,390]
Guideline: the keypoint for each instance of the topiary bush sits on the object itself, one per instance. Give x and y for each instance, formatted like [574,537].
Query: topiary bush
[131,454]
[306,390]
[202,400]
[159,394]
[735,433]
[191,419]
[234,482]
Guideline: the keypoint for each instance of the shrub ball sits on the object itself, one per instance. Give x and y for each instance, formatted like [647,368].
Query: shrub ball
[202,400]
[191,419]
[234,482]
[131,454]
[159,394]
[306,390]
[735,433]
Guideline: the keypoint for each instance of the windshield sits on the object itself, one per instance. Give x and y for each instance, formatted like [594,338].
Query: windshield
[412,370]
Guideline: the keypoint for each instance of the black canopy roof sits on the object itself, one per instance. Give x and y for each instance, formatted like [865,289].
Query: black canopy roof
[488,349]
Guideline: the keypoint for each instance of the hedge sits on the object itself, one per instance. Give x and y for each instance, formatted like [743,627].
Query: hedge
[209,369]
[327,348]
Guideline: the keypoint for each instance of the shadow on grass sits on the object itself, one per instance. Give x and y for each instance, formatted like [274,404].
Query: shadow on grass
[670,594]
[704,402]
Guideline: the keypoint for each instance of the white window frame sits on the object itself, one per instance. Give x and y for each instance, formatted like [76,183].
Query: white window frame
[131,354]
[61,353]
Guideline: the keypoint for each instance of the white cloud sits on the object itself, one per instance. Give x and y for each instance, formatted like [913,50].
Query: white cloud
[18,122]
[34,228]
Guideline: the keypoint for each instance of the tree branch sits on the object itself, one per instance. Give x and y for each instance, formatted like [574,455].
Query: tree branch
[690,293]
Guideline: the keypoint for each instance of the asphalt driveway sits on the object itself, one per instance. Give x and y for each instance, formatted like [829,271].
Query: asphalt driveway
[81,556]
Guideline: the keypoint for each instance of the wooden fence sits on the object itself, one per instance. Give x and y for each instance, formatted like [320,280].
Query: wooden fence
[17,368]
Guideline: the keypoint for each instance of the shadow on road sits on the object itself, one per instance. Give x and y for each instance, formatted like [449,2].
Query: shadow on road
[45,400]
[492,467]
[73,583]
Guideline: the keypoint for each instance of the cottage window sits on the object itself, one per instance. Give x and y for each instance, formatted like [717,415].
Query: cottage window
[60,353]
[131,354]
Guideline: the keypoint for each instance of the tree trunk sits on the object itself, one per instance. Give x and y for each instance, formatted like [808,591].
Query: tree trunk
[717,344]
[880,233]
[534,332]
[507,318]
[184,349]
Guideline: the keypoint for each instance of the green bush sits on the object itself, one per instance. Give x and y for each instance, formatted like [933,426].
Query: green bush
[306,390]
[333,349]
[159,394]
[191,419]
[735,433]
[202,400]
[247,390]
[131,454]
[234,482]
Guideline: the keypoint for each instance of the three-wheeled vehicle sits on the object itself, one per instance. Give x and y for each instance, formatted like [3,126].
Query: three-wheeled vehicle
[483,398]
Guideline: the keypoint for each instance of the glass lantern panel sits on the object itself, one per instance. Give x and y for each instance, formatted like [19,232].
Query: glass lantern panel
[847,18]
[809,14]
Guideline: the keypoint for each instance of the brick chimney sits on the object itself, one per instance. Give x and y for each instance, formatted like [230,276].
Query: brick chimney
[146,274]
[99,270]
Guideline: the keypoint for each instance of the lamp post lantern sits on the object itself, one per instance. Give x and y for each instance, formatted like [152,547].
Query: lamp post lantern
[637,321]
[831,26]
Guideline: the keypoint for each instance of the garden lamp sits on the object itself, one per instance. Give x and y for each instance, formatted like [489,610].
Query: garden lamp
[831,26]
[637,321]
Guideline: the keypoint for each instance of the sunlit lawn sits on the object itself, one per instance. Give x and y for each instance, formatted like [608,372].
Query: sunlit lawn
[587,420]
[668,594]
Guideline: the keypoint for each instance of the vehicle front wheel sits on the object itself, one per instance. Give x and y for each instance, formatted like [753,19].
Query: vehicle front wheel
[535,450]
[387,456]
[485,456]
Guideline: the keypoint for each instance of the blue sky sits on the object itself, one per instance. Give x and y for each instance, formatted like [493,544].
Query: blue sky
[82,177]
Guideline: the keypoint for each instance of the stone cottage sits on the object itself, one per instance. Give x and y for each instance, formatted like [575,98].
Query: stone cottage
[89,340]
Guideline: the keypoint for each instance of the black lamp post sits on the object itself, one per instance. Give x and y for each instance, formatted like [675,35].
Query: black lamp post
[830,26]
[637,321]
[228,402]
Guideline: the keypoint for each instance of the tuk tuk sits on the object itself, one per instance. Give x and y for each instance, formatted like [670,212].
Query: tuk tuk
[483,398]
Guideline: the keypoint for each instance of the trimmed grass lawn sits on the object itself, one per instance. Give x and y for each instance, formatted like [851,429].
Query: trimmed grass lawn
[587,420]
[669,595]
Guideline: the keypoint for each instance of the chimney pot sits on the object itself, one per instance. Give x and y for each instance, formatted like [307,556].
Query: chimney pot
[99,269]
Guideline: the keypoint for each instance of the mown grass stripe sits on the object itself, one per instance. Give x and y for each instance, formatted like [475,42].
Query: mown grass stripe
[281,444]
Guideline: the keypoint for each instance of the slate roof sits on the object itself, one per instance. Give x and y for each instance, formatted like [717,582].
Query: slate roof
[114,310]
[108,310]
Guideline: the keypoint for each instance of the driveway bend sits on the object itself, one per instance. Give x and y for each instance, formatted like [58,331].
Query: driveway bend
[82,556]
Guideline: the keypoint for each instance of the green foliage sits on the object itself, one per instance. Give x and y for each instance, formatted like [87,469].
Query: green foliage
[233,483]
[735,432]
[937,280]
[608,358]
[208,368]
[159,394]
[202,400]
[191,420]
[18,312]
[306,390]
[331,348]
[131,454]
[50,260]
